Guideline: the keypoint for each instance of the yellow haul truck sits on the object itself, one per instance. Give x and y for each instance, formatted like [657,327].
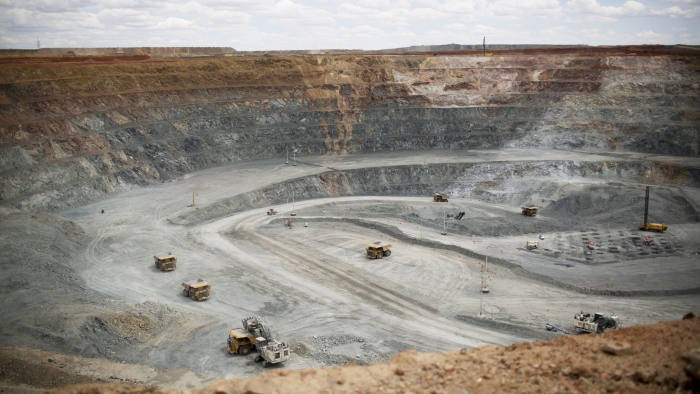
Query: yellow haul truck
[239,343]
[167,263]
[197,290]
[529,211]
[439,197]
[378,250]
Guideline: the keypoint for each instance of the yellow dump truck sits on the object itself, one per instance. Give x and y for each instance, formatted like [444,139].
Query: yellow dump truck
[439,197]
[378,250]
[531,245]
[166,263]
[529,211]
[198,290]
[239,342]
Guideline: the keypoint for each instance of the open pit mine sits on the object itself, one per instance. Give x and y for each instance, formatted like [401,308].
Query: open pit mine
[352,206]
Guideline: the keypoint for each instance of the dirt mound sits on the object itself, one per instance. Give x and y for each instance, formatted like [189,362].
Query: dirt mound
[641,359]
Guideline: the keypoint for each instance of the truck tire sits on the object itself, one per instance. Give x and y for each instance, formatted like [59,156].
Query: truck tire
[387,253]
[265,364]
[244,350]
[379,255]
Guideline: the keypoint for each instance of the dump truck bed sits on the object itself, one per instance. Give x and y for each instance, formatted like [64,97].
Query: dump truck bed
[195,284]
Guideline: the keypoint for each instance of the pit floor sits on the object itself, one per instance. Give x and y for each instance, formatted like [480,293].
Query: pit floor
[313,284]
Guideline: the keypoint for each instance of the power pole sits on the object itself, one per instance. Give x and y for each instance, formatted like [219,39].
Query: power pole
[484,45]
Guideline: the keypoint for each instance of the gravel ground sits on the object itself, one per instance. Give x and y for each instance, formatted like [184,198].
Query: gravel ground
[315,287]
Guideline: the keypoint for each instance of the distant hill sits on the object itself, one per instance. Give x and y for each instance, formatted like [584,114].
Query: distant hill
[477,47]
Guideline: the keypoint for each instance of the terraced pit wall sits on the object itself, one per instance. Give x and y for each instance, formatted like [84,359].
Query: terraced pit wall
[72,130]
[486,181]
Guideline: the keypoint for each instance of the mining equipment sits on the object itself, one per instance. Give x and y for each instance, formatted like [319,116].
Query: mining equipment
[255,335]
[239,342]
[530,245]
[271,212]
[439,197]
[529,210]
[166,263]
[378,250]
[197,290]
[596,323]
[658,227]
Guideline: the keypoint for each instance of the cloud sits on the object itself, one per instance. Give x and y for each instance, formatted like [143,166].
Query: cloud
[650,37]
[126,18]
[524,7]
[291,11]
[173,23]
[677,12]
[628,8]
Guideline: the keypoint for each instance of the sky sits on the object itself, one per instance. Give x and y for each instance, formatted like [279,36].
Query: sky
[249,25]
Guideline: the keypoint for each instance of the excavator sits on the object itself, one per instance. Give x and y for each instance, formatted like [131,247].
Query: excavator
[255,335]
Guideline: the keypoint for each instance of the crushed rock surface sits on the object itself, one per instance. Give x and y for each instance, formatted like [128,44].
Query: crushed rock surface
[640,359]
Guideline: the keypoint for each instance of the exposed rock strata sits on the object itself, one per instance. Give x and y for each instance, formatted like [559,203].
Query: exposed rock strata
[72,130]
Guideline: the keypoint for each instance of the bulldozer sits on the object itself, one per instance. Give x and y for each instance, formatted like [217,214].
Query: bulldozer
[529,210]
[378,250]
[198,290]
[166,263]
[596,323]
[439,197]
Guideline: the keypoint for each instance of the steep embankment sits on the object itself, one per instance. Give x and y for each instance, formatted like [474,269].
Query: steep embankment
[73,130]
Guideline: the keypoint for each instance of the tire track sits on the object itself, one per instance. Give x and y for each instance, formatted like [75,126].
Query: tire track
[410,311]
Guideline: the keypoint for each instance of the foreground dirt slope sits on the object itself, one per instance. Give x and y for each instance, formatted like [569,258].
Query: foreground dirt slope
[656,358]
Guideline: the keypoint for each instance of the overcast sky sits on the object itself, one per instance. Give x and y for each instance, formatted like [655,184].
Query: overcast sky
[359,24]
